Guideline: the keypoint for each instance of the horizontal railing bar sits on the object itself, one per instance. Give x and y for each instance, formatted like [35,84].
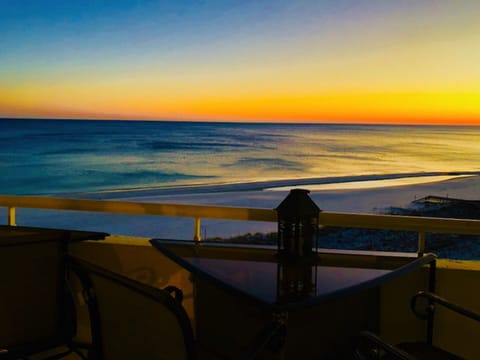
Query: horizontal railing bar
[140,208]
[371,221]
[404,223]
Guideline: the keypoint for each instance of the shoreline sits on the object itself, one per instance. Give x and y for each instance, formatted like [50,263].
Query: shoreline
[372,181]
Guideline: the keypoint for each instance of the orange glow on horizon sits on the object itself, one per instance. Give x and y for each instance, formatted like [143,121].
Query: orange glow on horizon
[340,107]
[292,118]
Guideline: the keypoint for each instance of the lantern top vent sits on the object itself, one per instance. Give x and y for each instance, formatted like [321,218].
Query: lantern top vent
[298,204]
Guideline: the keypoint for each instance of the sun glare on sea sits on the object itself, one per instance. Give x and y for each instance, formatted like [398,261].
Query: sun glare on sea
[372,184]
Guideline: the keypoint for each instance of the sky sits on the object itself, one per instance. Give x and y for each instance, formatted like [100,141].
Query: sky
[385,61]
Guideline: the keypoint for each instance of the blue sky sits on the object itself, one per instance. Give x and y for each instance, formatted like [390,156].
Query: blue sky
[211,59]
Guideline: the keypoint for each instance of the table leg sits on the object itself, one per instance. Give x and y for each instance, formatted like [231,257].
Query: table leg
[271,338]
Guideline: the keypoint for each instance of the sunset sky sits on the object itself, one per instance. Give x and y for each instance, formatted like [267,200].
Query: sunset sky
[397,61]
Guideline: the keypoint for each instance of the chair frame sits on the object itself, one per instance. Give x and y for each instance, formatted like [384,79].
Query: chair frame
[170,296]
[375,345]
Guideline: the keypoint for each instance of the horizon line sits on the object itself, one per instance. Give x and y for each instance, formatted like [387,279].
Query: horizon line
[236,121]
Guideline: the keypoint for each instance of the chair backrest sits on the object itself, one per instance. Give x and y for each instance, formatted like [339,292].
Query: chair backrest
[36,308]
[131,320]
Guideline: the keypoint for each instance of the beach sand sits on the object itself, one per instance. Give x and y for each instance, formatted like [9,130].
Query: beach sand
[369,200]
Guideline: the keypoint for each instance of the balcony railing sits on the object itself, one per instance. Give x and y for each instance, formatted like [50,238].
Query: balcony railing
[421,225]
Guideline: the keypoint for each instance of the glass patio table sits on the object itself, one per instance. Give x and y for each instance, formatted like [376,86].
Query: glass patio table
[334,288]
[279,286]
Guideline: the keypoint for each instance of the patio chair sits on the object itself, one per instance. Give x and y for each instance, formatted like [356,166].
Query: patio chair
[37,312]
[371,347]
[131,320]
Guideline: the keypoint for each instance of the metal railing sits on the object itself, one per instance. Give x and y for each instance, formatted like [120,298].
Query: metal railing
[421,225]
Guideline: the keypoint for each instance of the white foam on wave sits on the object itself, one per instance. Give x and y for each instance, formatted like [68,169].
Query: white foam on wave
[371,184]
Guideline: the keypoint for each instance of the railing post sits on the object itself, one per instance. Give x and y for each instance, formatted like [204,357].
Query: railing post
[11,216]
[196,235]
[421,244]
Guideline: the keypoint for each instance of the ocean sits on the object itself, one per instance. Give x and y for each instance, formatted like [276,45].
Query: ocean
[55,157]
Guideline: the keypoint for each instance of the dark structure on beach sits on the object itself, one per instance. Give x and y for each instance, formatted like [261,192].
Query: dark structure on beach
[438,206]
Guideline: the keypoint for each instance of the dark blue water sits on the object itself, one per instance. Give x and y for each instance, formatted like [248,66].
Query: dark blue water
[70,156]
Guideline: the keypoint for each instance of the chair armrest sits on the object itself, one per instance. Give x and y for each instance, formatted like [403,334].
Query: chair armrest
[435,299]
[369,346]
[175,292]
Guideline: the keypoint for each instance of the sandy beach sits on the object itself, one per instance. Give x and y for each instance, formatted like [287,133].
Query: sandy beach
[342,199]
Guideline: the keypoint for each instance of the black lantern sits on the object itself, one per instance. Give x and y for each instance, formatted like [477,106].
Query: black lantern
[297,236]
[297,227]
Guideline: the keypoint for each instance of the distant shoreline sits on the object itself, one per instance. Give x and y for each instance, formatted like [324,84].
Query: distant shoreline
[354,182]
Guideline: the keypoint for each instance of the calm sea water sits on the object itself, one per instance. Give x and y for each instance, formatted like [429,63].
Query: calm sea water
[65,156]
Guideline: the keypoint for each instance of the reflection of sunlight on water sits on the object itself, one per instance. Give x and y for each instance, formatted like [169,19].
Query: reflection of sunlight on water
[95,156]
[286,152]
[370,184]
[384,152]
